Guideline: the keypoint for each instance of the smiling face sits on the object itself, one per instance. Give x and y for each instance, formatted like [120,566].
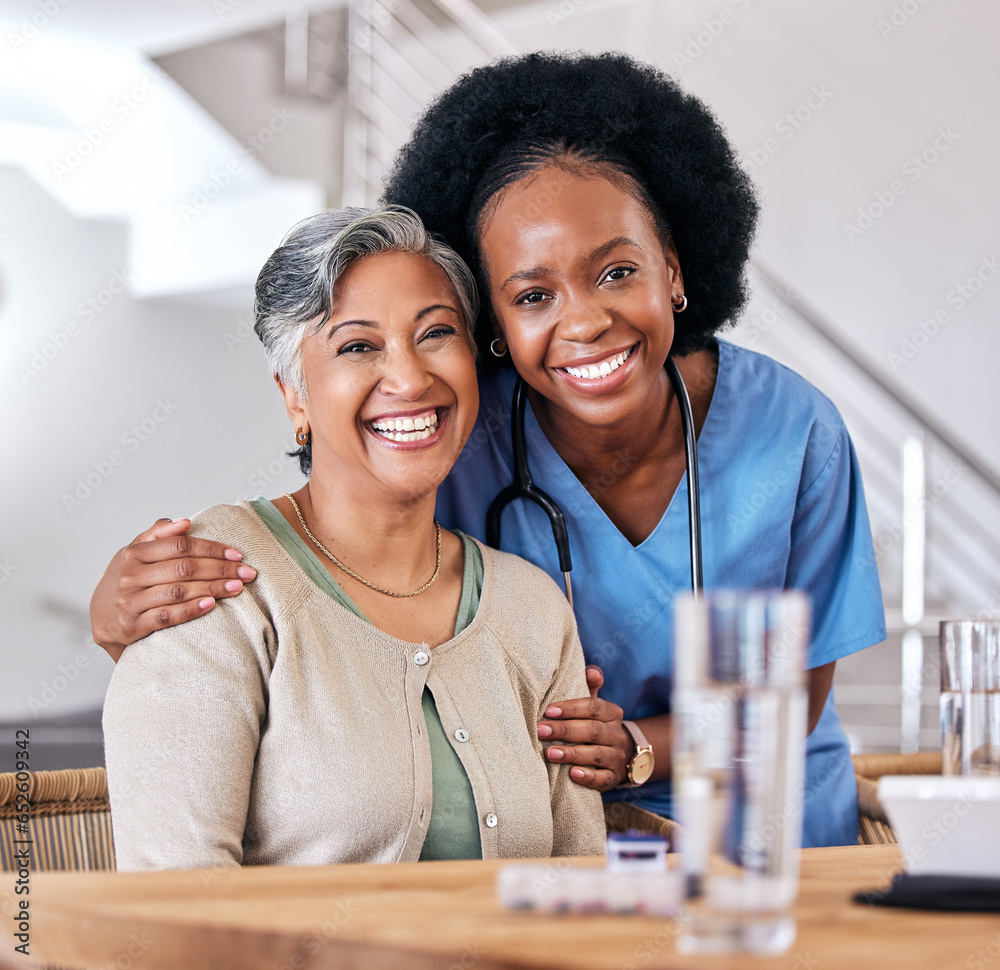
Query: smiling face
[390,378]
[581,284]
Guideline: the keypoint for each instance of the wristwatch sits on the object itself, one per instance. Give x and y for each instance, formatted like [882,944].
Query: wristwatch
[640,768]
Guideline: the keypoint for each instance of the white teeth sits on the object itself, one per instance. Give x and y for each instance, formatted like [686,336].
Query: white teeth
[593,372]
[407,429]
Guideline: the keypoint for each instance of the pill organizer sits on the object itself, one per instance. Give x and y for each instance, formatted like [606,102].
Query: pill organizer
[635,879]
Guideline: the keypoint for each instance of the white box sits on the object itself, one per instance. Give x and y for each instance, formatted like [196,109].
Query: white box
[946,825]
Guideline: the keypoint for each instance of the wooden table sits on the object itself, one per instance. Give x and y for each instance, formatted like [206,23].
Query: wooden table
[444,915]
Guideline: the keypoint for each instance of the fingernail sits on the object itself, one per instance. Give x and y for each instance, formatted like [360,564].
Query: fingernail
[205,603]
[578,773]
[178,520]
[233,586]
[553,712]
[544,731]
[555,754]
[246,572]
[231,554]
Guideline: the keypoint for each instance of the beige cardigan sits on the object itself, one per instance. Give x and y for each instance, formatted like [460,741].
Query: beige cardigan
[280,728]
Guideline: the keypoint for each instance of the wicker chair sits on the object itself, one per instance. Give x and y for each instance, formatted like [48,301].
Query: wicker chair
[626,817]
[70,820]
[873,823]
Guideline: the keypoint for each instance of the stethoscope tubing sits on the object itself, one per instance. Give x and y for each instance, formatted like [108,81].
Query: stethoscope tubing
[694,484]
[523,485]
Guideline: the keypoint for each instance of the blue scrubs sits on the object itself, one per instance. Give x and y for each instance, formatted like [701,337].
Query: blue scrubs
[782,506]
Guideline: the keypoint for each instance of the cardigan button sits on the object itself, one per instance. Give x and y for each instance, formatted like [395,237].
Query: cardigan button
[420,658]
[462,735]
[491,820]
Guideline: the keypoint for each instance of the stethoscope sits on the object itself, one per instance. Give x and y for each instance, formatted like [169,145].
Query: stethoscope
[524,487]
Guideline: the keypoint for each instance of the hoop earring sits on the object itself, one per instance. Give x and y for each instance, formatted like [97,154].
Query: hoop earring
[493,347]
[301,437]
[680,307]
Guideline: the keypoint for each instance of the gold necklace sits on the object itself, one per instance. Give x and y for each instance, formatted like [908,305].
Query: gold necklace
[361,579]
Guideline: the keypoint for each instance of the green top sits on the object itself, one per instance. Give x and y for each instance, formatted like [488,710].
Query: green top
[453,830]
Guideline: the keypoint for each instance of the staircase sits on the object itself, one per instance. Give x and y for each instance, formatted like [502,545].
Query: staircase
[935,515]
[401,54]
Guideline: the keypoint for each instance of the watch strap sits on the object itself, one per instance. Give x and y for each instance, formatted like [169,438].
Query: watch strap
[642,746]
[637,736]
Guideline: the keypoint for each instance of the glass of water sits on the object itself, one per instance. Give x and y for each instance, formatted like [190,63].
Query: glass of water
[970,697]
[739,711]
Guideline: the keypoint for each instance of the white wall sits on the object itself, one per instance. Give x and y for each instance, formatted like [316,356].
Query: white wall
[196,377]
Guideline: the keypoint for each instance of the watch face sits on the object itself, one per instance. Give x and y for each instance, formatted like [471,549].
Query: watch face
[641,767]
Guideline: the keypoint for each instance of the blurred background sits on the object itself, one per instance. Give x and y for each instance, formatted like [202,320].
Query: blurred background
[152,155]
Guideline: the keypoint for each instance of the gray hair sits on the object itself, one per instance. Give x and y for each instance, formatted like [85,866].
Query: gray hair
[295,287]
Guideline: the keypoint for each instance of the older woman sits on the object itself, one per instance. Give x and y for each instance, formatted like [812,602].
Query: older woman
[373,697]
[609,223]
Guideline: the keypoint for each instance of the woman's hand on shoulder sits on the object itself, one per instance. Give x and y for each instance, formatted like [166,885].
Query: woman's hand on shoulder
[597,745]
[161,578]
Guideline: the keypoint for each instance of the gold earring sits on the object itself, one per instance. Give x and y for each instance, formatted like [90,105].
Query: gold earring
[680,307]
[301,437]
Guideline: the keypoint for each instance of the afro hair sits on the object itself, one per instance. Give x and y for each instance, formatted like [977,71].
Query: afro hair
[499,122]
